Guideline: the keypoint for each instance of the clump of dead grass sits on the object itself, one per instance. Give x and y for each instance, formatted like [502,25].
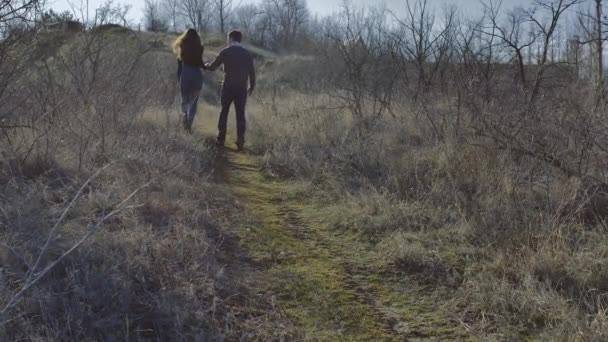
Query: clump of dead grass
[510,234]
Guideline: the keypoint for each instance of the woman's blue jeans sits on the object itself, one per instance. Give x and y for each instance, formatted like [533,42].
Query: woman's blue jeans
[191,83]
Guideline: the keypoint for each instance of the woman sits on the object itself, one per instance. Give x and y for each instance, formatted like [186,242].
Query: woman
[189,50]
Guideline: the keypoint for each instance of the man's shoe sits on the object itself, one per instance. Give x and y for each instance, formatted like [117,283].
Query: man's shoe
[240,146]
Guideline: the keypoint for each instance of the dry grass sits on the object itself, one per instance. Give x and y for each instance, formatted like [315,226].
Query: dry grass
[506,232]
[519,243]
[122,271]
[166,268]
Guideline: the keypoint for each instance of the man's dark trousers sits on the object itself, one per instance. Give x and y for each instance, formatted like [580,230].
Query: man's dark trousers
[238,95]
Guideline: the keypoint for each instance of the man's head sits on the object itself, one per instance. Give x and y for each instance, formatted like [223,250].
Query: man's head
[235,36]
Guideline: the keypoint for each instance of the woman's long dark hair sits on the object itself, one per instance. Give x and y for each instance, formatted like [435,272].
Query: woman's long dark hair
[187,43]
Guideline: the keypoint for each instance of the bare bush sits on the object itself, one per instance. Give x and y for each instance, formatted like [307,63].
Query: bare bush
[468,151]
[107,269]
[156,20]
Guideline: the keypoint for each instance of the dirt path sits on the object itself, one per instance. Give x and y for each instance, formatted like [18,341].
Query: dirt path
[319,278]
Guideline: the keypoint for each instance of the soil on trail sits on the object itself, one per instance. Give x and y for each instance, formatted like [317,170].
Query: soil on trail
[321,279]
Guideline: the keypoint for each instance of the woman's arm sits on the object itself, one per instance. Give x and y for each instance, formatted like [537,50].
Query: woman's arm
[179,69]
[203,66]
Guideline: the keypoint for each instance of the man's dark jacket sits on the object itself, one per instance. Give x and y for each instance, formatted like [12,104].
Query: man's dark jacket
[238,67]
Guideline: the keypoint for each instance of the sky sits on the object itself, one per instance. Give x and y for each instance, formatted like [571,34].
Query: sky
[316,6]
[468,6]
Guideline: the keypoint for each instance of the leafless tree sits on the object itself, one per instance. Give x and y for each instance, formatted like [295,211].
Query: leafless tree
[421,43]
[155,18]
[512,34]
[18,15]
[172,9]
[358,58]
[546,32]
[592,24]
[13,14]
[223,9]
[287,18]
[599,51]
[197,13]
[530,128]
[246,17]
[109,13]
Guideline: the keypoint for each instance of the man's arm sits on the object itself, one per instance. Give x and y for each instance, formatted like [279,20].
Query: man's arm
[216,63]
[251,75]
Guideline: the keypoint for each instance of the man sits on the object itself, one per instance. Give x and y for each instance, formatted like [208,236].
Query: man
[238,72]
